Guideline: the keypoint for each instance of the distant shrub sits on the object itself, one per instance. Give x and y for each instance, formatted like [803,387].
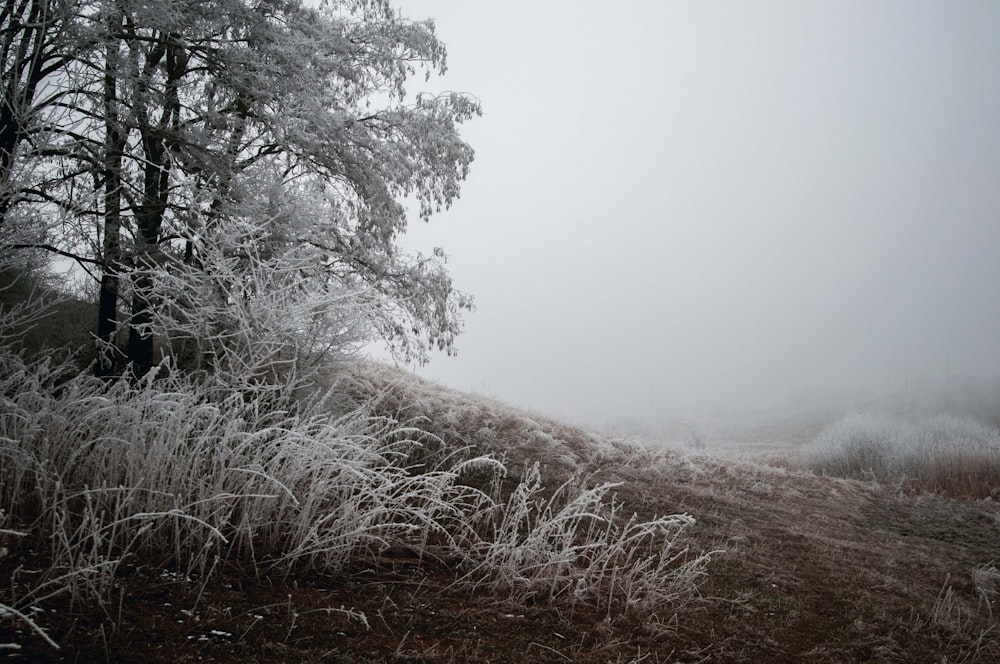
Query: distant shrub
[858,446]
[947,454]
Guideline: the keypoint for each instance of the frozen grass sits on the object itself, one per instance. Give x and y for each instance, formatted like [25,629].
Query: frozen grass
[577,545]
[950,455]
[169,474]
[189,476]
[481,425]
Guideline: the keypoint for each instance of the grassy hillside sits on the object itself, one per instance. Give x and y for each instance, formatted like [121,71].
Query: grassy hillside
[374,516]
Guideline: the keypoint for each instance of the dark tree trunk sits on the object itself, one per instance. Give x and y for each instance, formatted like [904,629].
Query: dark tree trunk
[167,53]
[149,220]
[9,131]
[107,307]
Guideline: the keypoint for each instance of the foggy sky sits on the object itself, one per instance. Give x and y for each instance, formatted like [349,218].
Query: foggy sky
[684,206]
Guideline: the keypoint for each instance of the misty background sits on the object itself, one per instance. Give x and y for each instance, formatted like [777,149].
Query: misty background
[681,208]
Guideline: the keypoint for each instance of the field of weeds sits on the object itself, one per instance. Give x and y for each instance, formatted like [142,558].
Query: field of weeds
[193,487]
[379,517]
[165,522]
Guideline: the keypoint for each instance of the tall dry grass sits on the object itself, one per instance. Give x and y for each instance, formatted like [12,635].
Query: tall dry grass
[576,544]
[191,475]
[179,475]
[948,454]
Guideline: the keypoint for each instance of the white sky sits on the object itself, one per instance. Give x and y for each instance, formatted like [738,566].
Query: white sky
[685,206]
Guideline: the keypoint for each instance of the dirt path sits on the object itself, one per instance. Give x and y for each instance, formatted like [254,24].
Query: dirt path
[820,569]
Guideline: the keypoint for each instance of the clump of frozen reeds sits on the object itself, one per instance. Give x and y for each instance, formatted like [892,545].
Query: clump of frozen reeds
[169,474]
[947,454]
[575,545]
[176,474]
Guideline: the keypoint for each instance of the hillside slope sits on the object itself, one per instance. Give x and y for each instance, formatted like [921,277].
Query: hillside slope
[811,568]
[800,568]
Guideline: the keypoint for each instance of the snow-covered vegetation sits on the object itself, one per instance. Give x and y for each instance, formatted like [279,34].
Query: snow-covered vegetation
[198,483]
[233,178]
[188,475]
[950,454]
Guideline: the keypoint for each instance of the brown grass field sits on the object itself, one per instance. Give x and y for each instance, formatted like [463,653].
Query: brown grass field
[801,569]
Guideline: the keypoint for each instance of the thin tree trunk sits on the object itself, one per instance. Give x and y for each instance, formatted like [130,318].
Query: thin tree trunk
[149,220]
[168,54]
[114,146]
[9,131]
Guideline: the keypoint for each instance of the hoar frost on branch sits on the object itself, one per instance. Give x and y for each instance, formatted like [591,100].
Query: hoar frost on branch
[211,141]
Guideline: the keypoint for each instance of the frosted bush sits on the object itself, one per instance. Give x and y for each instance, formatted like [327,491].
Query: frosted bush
[949,454]
[858,446]
[948,433]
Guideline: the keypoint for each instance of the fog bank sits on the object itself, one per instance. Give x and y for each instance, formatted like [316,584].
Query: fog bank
[684,208]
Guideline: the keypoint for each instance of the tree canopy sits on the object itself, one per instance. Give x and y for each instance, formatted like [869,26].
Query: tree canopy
[200,157]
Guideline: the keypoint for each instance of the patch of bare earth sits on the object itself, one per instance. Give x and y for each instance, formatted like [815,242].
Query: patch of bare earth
[819,569]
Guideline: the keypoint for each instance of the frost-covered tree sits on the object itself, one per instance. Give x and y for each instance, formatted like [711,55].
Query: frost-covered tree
[37,41]
[291,123]
[44,146]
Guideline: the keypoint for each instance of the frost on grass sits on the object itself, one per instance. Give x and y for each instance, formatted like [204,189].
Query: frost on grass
[945,454]
[482,425]
[576,545]
[164,471]
[185,475]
